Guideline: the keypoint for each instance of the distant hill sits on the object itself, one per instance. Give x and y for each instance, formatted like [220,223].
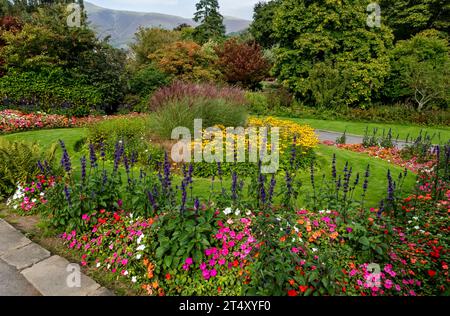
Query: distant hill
[122,25]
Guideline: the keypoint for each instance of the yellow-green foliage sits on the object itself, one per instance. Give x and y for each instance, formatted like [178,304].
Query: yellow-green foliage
[19,163]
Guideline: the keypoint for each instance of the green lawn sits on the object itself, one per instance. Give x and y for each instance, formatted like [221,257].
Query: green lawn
[377,184]
[358,128]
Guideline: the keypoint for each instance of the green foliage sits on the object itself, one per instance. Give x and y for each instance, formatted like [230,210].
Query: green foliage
[420,70]
[19,163]
[407,17]
[211,21]
[183,112]
[272,101]
[262,26]
[45,46]
[149,40]
[186,61]
[333,33]
[49,90]
[133,132]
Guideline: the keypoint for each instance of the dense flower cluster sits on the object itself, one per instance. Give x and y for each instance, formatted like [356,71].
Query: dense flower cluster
[29,197]
[392,155]
[304,134]
[14,121]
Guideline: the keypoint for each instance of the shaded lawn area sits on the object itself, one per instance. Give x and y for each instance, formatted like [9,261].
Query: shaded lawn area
[202,187]
[358,128]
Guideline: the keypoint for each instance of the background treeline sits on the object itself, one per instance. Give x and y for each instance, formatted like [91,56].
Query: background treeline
[298,57]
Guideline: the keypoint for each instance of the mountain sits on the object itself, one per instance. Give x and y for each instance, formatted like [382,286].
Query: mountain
[122,25]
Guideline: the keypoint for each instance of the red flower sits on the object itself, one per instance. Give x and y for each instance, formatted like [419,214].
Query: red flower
[431,273]
[303,288]
[292,293]
[168,276]
[235,263]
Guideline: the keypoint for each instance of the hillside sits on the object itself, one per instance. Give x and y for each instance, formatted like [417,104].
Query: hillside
[122,25]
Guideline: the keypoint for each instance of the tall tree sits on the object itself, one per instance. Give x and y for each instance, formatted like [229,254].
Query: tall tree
[330,39]
[410,17]
[211,21]
[262,25]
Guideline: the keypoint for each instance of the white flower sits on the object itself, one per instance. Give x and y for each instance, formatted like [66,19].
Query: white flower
[138,256]
[133,279]
[230,221]
[140,248]
[108,266]
[125,273]
[227,211]
[415,218]
[131,215]
[293,239]
[139,240]
[300,240]
[416,227]
[422,231]
[237,212]
[15,207]
[42,194]
[296,229]
[33,200]
[321,212]
[314,249]
[248,213]
[278,219]
[328,212]
[409,222]
[98,265]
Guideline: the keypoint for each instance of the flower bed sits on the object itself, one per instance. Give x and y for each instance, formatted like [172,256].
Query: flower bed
[12,121]
[391,155]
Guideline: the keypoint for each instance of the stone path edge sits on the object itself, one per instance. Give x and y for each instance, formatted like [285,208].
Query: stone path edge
[50,275]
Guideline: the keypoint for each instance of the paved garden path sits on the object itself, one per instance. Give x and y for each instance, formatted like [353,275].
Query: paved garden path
[350,139]
[27,269]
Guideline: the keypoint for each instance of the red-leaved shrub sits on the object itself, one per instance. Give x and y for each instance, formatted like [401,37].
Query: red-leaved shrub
[242,63]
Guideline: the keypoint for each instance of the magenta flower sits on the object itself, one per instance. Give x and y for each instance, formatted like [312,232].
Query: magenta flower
[85,217]
[213,272]
[294,250]
[189,261]
[221,262]
[202,266]
[349,229]
[206,274]
[124,262]
[212,262]
[388,284]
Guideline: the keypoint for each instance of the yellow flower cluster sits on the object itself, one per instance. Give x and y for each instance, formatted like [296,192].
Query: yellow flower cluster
[306,137]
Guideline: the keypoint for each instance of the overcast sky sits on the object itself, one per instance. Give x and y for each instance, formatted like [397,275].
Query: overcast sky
[184,8]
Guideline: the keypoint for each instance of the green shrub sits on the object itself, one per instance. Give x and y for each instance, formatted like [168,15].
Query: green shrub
[273,101]
[19,163]
[48,91]
[183,112]
[420,71]
[131,131]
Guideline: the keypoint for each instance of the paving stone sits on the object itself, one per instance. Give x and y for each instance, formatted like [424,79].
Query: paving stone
[50,278]
[26,256]
[12,283]
[10,238]
[102,292]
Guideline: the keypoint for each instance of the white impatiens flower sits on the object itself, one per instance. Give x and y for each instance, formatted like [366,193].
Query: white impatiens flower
[230,221]
[108,266]
[134,279]
[293,239]
[415,218]
[278,219]
[237,212]
[314,249]
[409,222]
[140,248]
[300,240]
[416,227]
[328,212]
[33,200]
[98,265]
[125,273]
[228,211]
[138,256]
[248,213]
[139,240]
[321,212]
[296,229]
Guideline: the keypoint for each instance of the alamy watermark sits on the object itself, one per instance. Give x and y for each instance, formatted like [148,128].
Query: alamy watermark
[74,17]
[235,144]
[374,17]
[73,280]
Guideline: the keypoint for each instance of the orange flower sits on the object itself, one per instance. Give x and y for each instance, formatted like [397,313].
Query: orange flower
[283,239]
[334,235]
[291,282]
[155,285]
[301,222]
[308,228]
